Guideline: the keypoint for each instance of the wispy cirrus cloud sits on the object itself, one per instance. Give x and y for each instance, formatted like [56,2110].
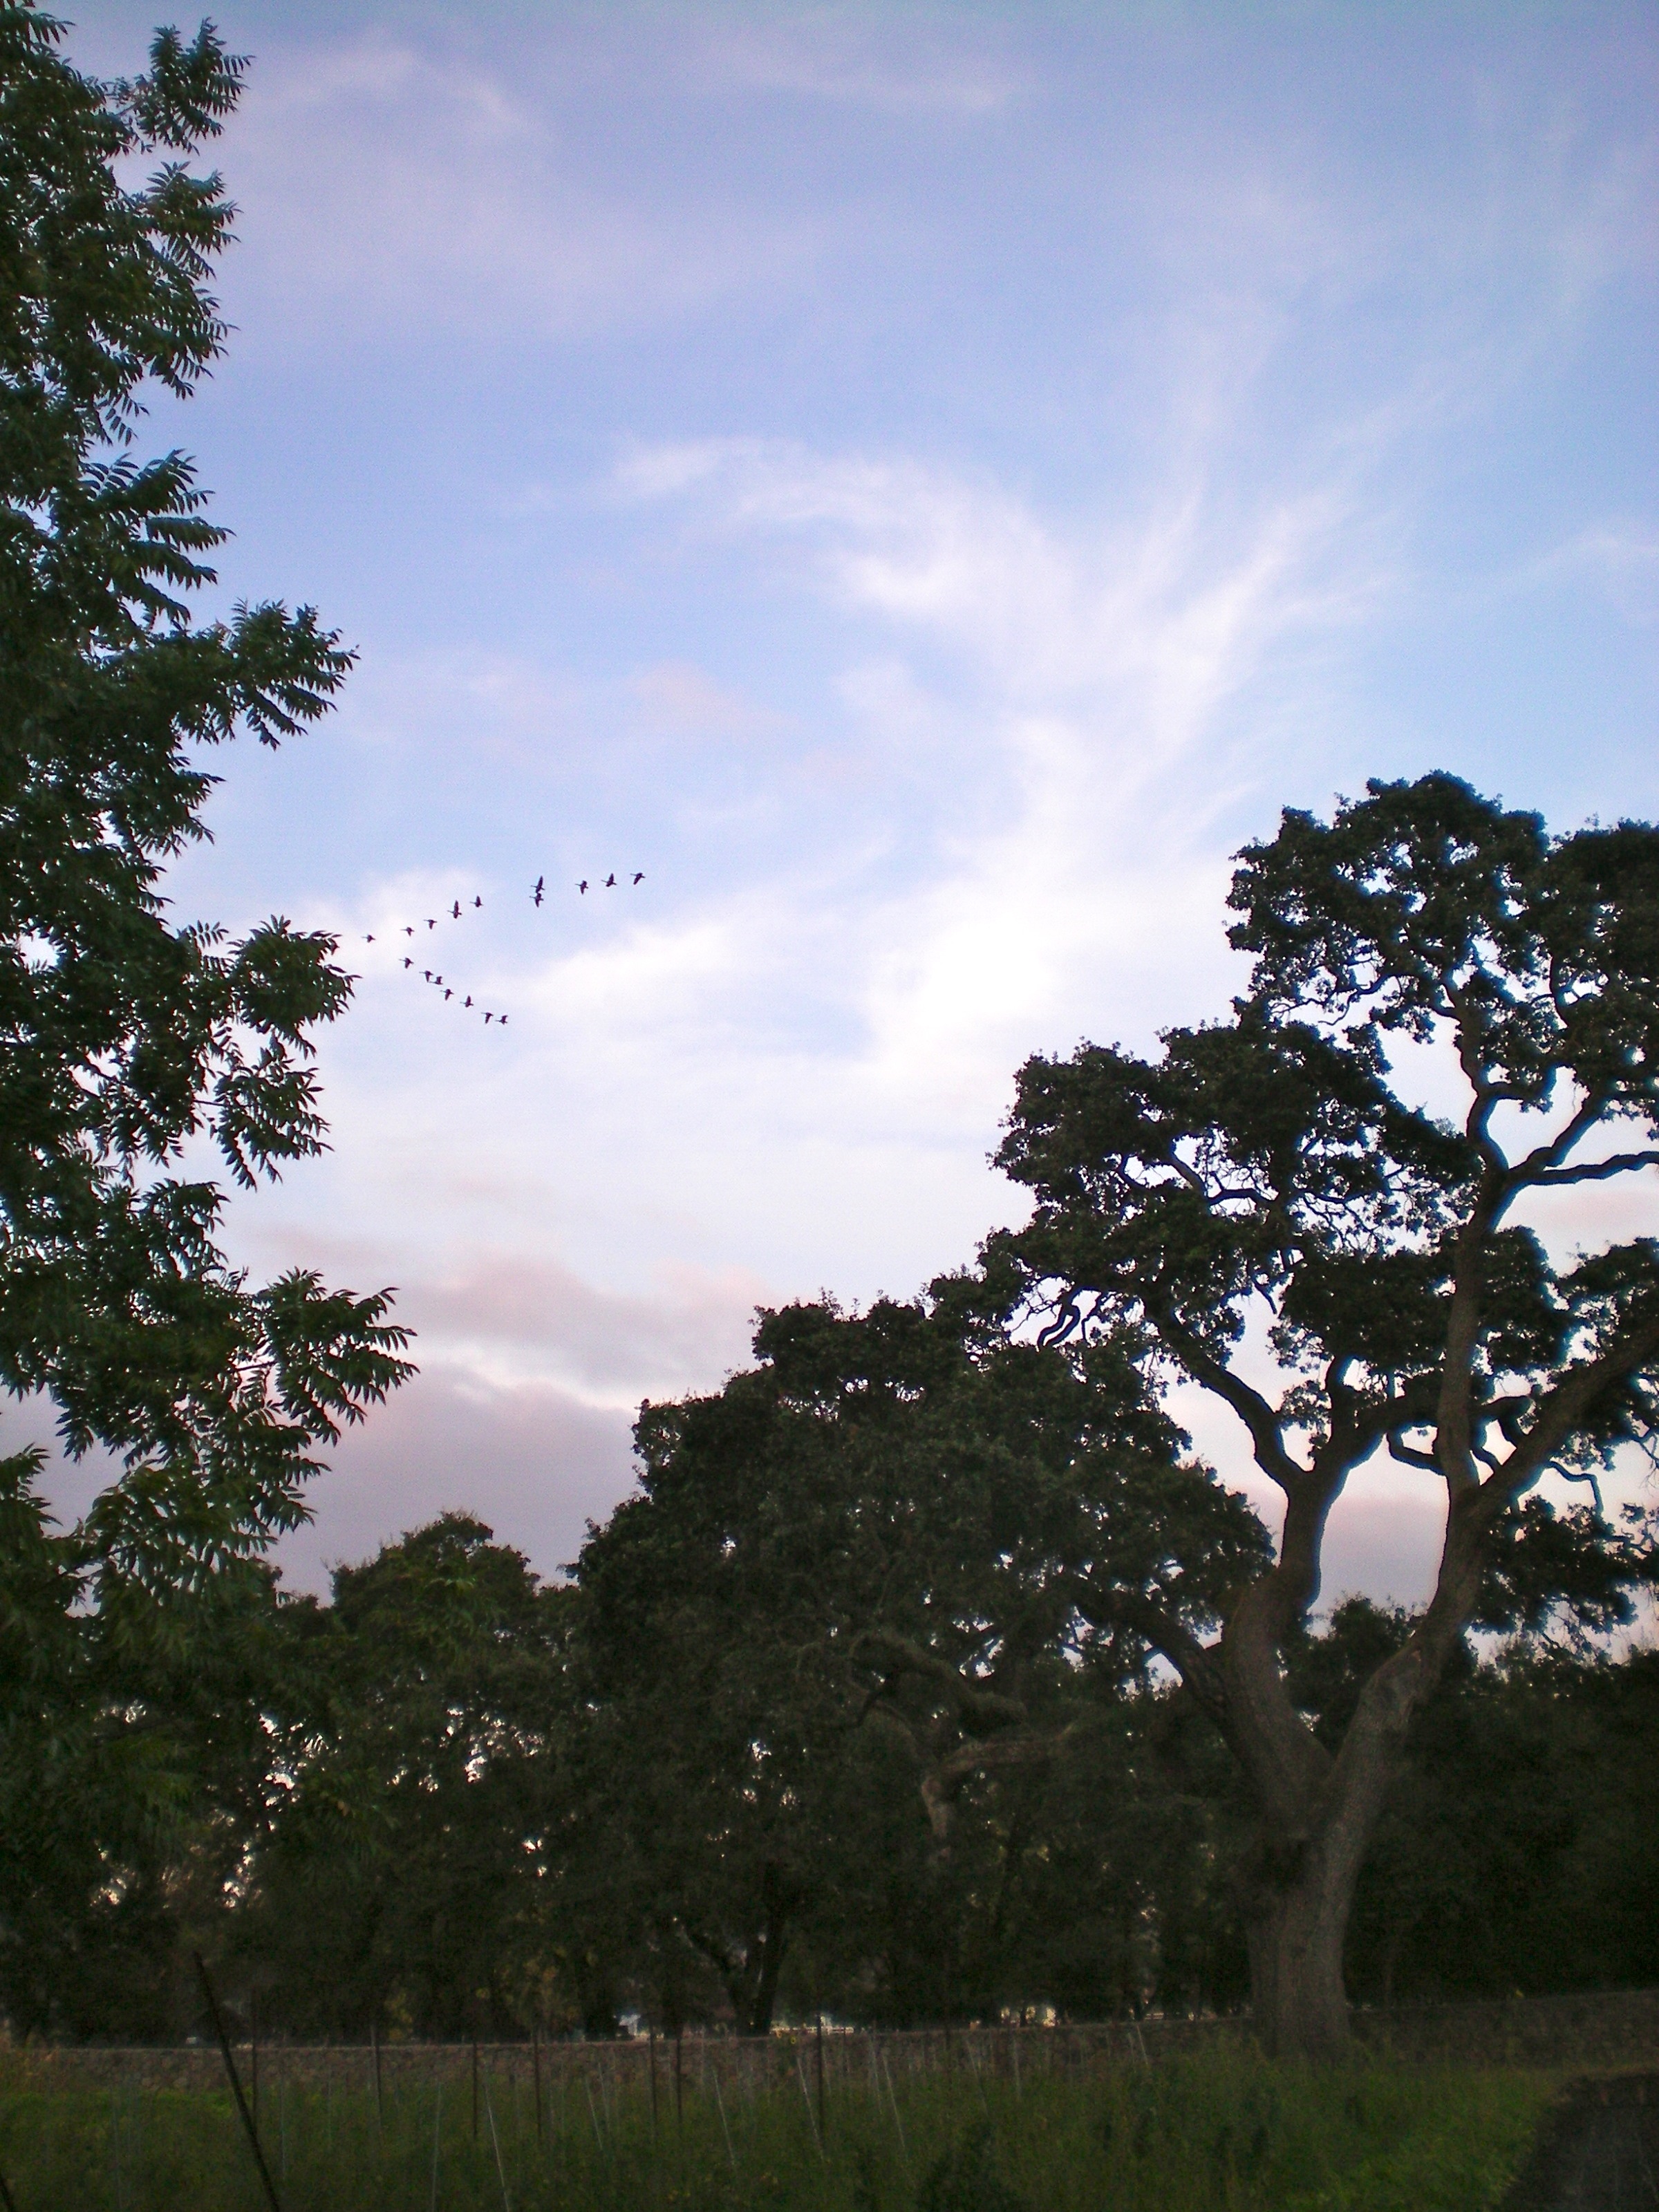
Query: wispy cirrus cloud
[1084,722]
[1619,557]
[859,56]
[388,184]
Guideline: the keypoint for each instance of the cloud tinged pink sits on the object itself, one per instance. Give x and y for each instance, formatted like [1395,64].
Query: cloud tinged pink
[535,1463]
[508,1316]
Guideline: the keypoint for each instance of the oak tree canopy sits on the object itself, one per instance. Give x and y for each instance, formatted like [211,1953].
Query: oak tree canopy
[1326,1211]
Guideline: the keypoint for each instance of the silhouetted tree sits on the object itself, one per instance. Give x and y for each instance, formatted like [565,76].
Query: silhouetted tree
[401,1884]
[1275,1177]
[904,1553]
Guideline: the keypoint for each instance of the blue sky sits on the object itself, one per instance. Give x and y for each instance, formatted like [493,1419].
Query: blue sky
[924,485]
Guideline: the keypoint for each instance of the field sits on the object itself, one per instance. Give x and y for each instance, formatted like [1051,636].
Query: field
[1217,2133]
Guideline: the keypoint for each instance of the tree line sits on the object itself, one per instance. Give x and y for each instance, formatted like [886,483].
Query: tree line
[929,1672]
[698,1783]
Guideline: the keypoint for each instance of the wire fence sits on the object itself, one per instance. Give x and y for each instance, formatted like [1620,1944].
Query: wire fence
[1602,2028]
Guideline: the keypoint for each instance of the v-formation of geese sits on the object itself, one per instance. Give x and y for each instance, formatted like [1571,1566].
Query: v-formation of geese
[458,909]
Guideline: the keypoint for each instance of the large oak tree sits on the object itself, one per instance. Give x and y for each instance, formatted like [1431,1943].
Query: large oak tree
[1328,1211]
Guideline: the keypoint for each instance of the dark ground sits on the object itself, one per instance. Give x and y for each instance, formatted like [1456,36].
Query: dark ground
[1600,2153]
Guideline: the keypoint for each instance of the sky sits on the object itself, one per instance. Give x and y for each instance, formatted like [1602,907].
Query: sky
[924,485]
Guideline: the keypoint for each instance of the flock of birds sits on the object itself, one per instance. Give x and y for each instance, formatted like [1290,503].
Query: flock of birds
[459,910]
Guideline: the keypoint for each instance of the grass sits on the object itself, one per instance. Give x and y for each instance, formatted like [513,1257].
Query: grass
[1223,2133]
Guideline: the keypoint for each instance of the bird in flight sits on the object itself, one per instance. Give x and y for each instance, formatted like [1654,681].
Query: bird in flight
[431,922]
[407,962]
[455,911]
[449,994]
[639,876]
[469,998]
[536,895]
[478,901]
[582,886]
[611,883]
[426,972]
[369,940]
[409,931]
[488,1019]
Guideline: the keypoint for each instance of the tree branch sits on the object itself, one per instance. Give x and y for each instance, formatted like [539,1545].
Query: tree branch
[942,1784]
[1617,1163]
[1199,1665]
[1455,1418]
[1267,1430]
[986,1707]
[1408,1456]
[1543,1157]
[1560,1410]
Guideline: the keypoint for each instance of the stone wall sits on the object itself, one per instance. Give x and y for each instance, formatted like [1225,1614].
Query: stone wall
[1616,2028]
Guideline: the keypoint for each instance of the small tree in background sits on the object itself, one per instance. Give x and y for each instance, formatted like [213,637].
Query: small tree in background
[869,1592]
[1344,1268]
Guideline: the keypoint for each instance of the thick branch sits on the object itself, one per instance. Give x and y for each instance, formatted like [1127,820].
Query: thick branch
[942,1784]
[1409,1455]
[1265,1428]
[1199,1665]
[1455,1421]
[1544,1157]
[1368,1424]
[1616,1164]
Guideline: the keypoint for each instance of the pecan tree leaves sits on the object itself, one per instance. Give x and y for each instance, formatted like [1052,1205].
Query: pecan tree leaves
[131,1039]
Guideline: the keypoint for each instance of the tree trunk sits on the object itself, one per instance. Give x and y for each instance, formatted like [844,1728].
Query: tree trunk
[1298,1922]
[1316,1815]
[774,1941]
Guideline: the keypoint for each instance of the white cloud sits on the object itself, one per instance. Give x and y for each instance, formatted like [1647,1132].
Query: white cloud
[387,184]
[920,62]
[1619,556]
[1086,739]
[1167,601]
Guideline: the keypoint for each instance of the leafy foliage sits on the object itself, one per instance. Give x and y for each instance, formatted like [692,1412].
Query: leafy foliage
[397,1882]
[127,1036]
[133,1045]
[904,1552]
